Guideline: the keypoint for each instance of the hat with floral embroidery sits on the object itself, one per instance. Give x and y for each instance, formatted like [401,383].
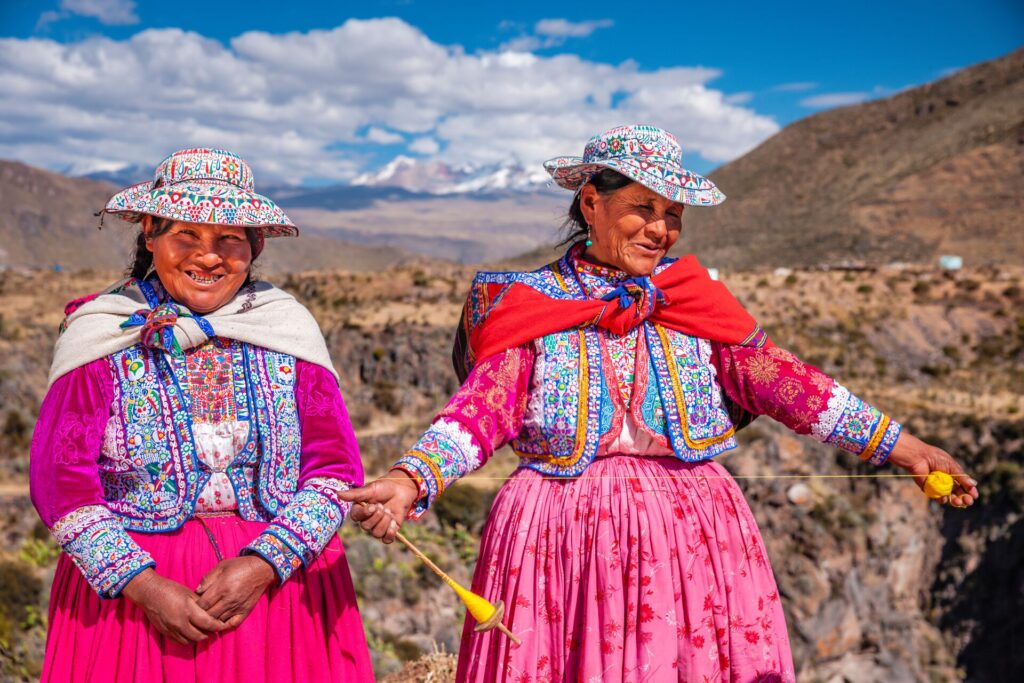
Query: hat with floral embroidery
[645,154]
[203,186]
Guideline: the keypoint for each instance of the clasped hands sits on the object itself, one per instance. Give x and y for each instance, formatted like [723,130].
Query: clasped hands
[221,601]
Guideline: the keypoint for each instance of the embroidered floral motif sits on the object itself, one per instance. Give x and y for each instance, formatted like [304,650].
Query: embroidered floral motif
[827,419]
[203,186]
[298,535]
[148,466]
[97,542]
[857,426]
[761,368]
[646,154]
[76,433]
[278,422]
[444,454]
[211,381]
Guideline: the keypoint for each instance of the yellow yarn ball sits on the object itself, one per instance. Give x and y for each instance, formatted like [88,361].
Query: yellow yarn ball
[938,484]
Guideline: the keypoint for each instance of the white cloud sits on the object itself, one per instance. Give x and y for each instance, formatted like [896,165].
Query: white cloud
[112,12]
[316,104]
[562,28]
[383,137]
[424,145]
[833,99]
[552,33]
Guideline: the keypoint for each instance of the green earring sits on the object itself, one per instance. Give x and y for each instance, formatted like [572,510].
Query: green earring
[589,241]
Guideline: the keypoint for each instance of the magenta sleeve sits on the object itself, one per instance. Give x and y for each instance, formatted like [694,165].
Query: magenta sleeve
[64,480]
[484,414]
[67,440]
[772,381]
[329,446]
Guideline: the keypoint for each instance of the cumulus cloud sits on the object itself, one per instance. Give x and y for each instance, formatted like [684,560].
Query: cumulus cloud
[112,12]
[317,104]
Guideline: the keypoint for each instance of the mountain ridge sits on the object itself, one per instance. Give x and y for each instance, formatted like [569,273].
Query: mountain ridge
[934,169]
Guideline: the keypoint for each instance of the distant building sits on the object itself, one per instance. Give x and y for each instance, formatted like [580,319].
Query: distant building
[951,262]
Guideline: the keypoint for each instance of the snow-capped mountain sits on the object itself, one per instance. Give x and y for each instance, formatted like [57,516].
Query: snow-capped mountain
[437,177]
[413,175]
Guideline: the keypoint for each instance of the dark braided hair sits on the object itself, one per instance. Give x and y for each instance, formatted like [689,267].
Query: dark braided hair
[143,260]
[606,182]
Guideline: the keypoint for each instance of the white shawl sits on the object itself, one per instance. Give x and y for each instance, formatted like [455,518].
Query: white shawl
[259,314]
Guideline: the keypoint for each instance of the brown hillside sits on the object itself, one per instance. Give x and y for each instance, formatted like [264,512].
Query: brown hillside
[47,219]
[938,169]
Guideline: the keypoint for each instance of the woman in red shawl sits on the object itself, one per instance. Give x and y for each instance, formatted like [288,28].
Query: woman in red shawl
[621,549]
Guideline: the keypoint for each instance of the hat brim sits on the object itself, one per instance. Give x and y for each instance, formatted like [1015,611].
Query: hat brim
[671,181]
[206,201]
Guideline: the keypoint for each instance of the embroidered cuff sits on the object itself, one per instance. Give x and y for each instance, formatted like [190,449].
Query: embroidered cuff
[863,430]
[421,505]
[446,452]
[887,438]
[101,548]
[298,535]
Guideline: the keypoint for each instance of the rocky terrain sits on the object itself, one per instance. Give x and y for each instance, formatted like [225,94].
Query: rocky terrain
[878,583]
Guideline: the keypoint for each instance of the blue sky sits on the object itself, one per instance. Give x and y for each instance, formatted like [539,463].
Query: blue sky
[724,76]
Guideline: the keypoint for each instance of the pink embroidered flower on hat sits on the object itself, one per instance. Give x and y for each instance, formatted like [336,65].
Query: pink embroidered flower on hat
[203,185]
[645,154]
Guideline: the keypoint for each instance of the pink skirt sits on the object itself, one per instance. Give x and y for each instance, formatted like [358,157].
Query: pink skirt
[308,629]
[644,569]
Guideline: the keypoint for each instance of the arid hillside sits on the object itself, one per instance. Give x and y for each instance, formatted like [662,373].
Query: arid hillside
[47,221]
[937,169]
[878,583]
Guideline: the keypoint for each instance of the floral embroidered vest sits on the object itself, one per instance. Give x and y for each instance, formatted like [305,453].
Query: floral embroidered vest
[570,408]
[149,469]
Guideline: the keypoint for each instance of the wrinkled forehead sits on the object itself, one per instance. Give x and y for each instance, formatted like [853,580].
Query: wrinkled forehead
[636,192]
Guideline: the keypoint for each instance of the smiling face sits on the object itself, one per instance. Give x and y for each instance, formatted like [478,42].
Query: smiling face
[631,229]
[199,264]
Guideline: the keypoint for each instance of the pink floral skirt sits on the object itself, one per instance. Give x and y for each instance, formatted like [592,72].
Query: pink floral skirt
[644,569]
[309,629]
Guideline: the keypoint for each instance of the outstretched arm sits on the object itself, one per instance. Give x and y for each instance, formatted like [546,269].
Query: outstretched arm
[772,381]
[483,415]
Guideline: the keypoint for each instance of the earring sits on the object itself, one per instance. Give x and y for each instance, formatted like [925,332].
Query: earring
[589,242]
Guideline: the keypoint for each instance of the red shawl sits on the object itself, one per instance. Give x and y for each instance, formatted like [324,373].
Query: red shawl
[686,299]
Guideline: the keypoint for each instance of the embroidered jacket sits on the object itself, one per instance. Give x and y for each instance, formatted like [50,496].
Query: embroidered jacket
[567,397]
[115,450]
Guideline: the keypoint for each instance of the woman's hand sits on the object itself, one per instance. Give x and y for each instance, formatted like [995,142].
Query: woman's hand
[171,607]
[918,458]
[381,506]
[230,590]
